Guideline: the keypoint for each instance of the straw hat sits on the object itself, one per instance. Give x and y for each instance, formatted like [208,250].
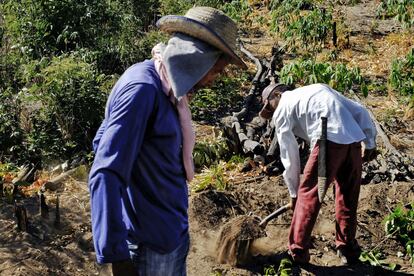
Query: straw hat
[207,24]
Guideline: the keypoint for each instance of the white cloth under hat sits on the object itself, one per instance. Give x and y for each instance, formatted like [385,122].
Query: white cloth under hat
[181,64]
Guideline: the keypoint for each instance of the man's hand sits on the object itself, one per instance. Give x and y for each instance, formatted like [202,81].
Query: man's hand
[123,268]
[369,154]
[292,203]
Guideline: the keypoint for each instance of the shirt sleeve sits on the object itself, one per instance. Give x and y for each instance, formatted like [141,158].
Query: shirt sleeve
[98,136]
[289,152]
[364,120]
[115,155]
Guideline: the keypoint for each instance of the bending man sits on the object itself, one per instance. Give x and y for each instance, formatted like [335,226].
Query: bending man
[298,112]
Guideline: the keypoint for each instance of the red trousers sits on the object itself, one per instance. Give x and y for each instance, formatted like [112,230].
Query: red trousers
[344,167]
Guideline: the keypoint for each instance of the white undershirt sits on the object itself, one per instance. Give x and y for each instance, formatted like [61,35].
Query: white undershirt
[299,112]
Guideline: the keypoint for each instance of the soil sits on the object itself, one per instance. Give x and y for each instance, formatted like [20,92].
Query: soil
[68,250]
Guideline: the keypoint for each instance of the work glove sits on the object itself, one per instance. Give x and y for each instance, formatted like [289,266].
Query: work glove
[369,154]
[123,268]
[292,203]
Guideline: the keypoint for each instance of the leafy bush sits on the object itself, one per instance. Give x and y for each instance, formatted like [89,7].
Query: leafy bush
[211,150]
[211,103]
[400,224]
[270,270]
[308,72]
[129,50]
[238,10]
[207,153]
[284,7]
[214,177]
[67,105]
[11,134]
[285,267]
[307,31]
[402,10]
[42,27]
[376,258]
[180,7]
[402,74]
[115,31]
[300,28]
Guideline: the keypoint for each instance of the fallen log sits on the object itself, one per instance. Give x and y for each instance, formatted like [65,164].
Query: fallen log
[25,174]
[245,134]
[254,88]
[57,182]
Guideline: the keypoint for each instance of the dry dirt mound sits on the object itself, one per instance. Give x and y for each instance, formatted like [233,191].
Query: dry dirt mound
[375,201]
[48,250]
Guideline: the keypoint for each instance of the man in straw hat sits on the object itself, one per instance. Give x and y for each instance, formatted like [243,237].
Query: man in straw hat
[298,112]
[143,149]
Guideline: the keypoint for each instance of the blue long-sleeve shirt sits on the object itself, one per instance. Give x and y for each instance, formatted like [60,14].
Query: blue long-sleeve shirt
[137,180]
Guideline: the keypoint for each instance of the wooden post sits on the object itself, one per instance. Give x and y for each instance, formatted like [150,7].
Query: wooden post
[44,209]
[21,216]
[15,189]
[334,35]
[57,213]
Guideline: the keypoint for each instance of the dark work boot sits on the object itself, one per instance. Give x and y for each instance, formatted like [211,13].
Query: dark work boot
[300,256]
[349,254]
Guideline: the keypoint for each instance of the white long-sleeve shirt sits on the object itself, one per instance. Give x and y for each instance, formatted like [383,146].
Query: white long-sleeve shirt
[299,113]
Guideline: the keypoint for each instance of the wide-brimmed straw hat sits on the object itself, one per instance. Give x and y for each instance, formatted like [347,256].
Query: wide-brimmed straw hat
[207,24]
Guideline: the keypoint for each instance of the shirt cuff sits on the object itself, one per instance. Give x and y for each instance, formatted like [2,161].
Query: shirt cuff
[113,259]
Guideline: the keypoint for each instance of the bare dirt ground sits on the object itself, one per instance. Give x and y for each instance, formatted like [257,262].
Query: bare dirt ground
[68,250]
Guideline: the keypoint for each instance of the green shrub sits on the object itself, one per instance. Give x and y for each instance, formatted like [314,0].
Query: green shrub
[214,177]
[282,12]
[283,7]
[207,153]
[307,30]
[400,224]
[224,96]
[113,31]
[238,10]
[308,72]
[181,6]
[376,258]
[402,75]
[270,270]
[11,134]
[68,103]
[402,10]
[42,27]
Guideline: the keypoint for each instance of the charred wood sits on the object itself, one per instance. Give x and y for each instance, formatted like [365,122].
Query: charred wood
[57,213]
[44,209]
[21,217]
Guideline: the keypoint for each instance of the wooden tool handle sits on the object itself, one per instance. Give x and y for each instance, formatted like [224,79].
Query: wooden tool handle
[275,214]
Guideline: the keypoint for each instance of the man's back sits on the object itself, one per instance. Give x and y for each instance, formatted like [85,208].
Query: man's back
[302,108]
